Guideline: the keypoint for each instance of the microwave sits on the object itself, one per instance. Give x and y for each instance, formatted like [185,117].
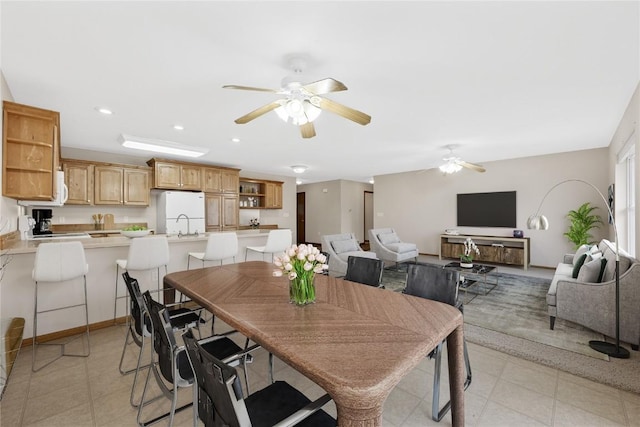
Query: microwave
[61,196]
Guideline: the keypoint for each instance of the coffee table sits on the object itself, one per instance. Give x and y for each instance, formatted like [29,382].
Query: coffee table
[473,281]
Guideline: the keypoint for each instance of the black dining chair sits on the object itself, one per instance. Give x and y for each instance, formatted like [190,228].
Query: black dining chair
[172,365]
[139,329]
[438,284]
[223,402]
[367,271]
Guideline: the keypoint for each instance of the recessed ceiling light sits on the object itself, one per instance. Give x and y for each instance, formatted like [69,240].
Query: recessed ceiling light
[178,127]
[298,168]
[235,139]
[104,110]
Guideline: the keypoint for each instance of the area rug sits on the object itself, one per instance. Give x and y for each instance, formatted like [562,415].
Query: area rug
[513,318]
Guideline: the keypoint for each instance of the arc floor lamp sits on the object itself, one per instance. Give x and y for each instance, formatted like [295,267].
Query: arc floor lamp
[540,222]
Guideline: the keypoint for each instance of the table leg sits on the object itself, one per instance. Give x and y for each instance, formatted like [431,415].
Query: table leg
[455,354]
[355,417]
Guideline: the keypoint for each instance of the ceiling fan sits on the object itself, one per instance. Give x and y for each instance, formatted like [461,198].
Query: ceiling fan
[302,103]
[453,164]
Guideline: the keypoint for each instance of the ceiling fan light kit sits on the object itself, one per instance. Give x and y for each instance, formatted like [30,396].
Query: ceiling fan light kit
[453,164]
[302,103]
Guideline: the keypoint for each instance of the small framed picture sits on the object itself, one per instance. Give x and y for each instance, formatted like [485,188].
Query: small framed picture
[611,199]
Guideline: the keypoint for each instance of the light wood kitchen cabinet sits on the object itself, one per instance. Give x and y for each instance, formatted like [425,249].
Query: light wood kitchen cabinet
[273,195]
[78,176]
[121,186]
[230,181]
[136,187]
[212,180]
[31,152]
[221,211]
[260,194]
[176,176]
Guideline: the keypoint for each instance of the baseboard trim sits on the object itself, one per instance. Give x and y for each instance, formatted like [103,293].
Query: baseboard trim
[74,331]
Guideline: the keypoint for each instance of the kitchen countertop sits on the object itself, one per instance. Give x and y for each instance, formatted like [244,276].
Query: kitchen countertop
[29,246]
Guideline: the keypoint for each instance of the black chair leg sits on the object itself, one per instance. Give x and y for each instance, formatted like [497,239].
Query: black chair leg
[552,322]
[436,413]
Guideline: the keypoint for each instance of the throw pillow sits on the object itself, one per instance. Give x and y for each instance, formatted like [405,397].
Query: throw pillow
[581,250]
[589,271]
[341,246]
[387,238]
[603,267]
[578,265]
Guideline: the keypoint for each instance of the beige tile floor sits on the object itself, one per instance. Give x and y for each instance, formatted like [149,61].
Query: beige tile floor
[506,391]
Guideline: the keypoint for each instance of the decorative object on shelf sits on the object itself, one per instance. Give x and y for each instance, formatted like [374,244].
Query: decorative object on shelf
[452,232]
[518,234]
[254,223]
[466,259]
[97,221]
[300,264]
[540,222]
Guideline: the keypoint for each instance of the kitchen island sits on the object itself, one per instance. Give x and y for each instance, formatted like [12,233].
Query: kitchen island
[17,287]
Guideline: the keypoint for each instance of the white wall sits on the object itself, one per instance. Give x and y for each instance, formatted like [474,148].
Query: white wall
[421,205]
[322,209]
[334,207]
[9,210]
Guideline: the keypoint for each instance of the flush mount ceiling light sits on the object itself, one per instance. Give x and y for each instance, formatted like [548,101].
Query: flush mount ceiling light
[298,181]
[104,110]
[298,168]
[159,146]
[178,127]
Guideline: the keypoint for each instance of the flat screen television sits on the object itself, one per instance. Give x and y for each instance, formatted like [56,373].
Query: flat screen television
[496,209]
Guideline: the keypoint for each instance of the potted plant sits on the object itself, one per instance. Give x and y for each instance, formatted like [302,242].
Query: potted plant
[466,259]
[583,220]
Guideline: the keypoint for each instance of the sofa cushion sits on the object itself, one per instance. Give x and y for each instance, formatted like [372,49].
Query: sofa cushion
[577,265]
[388,238]
[402,248]
[603,266]
[590,271]
[342,246]
[610,268]
[579,252]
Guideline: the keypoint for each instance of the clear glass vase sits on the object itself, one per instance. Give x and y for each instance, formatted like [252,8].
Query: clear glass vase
[302,290]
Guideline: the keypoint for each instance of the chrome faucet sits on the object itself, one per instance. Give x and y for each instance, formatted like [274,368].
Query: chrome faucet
[188,224]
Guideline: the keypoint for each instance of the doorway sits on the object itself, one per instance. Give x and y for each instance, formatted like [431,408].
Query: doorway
[368,214]
[300,218]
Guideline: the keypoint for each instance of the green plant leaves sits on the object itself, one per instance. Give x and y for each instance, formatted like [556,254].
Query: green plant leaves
[583,220]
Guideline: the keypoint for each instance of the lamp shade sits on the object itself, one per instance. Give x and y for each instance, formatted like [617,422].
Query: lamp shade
[538,222]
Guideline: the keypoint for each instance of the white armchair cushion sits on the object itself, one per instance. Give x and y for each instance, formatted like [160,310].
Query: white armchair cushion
[388,238]
[340,246]
[401,247]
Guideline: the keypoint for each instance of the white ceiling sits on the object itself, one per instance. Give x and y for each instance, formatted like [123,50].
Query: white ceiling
[497,79]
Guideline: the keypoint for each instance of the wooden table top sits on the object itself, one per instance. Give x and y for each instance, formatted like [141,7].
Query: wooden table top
[356,341]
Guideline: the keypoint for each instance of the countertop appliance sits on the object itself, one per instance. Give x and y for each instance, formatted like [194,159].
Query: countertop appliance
[42,218]
[180,212]
[62,194]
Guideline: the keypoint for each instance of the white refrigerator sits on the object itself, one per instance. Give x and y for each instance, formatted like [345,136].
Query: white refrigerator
[180,212]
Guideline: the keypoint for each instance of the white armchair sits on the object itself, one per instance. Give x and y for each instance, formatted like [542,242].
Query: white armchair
[340,247]
[388,246]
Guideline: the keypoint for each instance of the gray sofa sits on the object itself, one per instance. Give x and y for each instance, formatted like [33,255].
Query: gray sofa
[388,246]
[340,247]
[590,303]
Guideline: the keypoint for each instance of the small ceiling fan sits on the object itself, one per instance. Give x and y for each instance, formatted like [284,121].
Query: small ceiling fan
[302,103]
[453,164]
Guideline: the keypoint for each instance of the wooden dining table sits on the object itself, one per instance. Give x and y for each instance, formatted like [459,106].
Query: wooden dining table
[355,341]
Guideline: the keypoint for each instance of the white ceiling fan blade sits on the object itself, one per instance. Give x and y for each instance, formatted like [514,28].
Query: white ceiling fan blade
[471,166]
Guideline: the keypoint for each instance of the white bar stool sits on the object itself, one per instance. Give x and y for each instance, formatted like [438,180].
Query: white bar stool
[145,253]
[277,241]
[59,262]
[220,246]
